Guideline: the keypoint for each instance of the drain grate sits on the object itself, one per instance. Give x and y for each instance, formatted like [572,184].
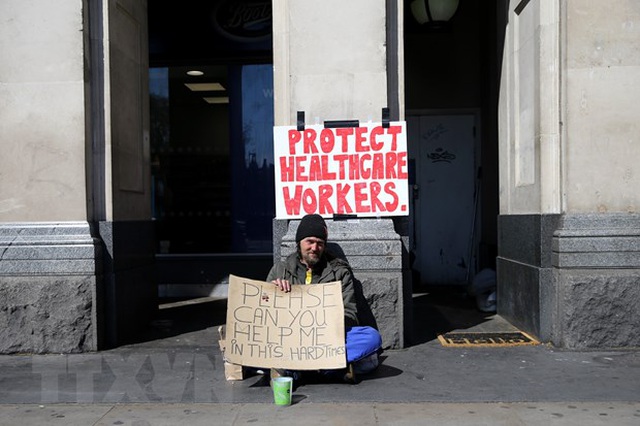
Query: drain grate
[486,339]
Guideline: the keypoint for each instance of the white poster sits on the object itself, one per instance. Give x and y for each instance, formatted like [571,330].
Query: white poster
[360,171]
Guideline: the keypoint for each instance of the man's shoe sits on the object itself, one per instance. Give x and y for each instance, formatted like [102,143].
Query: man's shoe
[350,375]
[277,372]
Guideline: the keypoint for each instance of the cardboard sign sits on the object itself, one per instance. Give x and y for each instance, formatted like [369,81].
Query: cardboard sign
[350,170]
[300,330]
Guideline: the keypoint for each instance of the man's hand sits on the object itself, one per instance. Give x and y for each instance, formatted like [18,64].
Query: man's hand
[283,284]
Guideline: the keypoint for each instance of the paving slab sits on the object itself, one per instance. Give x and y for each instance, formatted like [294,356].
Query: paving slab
[509,414]
[445,414]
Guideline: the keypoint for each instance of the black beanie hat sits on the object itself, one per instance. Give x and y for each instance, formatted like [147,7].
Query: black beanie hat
[312,225]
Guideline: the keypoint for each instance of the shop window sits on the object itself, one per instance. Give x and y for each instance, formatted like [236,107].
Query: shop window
[212,158]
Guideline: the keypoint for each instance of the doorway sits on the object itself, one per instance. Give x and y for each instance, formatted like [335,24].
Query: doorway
[211,96]
[451,77]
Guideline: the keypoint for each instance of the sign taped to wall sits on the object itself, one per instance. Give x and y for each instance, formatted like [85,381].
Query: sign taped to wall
[299,330]
[359,171]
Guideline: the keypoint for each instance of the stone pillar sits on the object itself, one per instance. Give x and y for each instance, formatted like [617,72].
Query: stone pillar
[48,270]
[569,248]
[74,186]
[333,66]
[596,248]
[530,163]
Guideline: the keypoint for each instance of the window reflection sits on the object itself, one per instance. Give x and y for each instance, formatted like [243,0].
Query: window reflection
[212,160]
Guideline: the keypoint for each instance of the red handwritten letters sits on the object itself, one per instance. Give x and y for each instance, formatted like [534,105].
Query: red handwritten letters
[355,170]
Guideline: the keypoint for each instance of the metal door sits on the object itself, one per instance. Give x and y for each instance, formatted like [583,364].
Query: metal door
[445,200]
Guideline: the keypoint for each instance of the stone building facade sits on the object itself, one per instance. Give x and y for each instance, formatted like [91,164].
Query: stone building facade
[569,247]
[555,84]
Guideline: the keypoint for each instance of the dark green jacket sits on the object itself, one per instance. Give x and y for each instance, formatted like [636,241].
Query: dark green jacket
[329,269]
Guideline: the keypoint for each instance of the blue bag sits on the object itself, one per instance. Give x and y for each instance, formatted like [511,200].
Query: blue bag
[362,345]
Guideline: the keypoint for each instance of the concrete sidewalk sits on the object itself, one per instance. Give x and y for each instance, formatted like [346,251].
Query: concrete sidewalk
[444,414]
[189,369]
[179,378]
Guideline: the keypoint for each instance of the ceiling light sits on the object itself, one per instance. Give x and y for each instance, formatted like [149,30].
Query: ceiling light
[205,87]
[220,100]
[434,14]
[195,73]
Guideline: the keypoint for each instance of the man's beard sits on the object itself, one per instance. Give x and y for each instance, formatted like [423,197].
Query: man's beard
[311,259]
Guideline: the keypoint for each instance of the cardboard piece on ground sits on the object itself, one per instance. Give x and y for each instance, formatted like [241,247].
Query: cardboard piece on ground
[231,371]
[300,330]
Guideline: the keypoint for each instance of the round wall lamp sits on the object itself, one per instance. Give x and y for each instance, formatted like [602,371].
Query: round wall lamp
[434,14]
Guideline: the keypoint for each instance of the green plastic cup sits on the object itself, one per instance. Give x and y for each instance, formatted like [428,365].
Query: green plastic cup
[282,388]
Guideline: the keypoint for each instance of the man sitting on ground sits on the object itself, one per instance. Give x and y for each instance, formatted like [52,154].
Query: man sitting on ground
[313,264]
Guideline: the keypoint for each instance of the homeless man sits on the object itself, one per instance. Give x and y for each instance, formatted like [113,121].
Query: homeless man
[313,264]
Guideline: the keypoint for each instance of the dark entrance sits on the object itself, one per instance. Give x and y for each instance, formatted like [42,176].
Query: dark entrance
[211,149]
[211,94]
